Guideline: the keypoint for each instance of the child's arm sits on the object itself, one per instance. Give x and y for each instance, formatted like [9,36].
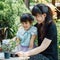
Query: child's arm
[32,41]
[33,37]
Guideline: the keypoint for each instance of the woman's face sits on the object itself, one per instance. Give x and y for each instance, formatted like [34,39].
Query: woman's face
[26,25]
[40,18]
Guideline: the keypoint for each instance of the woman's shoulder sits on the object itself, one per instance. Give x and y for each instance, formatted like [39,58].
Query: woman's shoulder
[52,27]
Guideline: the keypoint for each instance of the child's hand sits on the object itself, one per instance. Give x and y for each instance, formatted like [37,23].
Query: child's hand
[30,47]
[17,41]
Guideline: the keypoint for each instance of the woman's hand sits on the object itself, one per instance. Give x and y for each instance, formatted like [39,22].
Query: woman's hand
[22,54]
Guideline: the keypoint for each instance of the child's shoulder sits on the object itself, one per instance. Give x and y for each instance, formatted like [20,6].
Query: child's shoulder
[20,28]
[34,28]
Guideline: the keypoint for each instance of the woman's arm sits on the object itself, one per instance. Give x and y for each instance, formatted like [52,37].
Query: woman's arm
[32,41]
[46,42]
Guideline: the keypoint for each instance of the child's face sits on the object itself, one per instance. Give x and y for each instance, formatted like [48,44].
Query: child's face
[26,25]
[40,18]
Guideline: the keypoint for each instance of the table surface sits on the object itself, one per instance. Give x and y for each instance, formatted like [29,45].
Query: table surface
[18,58]
[12,58]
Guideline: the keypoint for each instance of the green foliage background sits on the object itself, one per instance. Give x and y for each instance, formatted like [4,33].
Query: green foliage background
[10,12]
[58,32]
[58,36]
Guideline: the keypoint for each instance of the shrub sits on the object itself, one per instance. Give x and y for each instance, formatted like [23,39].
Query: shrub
[10,12]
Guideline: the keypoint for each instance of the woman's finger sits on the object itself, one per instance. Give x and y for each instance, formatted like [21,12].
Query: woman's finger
[21,54]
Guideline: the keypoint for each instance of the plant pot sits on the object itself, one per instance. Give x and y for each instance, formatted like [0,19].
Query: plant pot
[6,55]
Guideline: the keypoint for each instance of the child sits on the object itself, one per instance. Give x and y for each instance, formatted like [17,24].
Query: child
[27,33]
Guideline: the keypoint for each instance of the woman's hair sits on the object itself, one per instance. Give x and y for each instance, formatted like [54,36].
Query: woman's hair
[26,17]
[41,9]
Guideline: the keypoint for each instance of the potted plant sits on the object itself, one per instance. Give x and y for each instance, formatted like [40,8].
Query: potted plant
[7,46]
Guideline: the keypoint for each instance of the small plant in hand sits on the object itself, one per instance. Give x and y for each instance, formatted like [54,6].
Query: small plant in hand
[8,45]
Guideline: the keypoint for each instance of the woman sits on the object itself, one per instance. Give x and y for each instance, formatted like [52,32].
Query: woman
[47,35]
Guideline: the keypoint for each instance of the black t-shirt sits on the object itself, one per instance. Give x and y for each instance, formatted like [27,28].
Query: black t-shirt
[51,33]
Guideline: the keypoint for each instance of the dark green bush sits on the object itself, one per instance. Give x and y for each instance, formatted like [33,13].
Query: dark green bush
[10,12]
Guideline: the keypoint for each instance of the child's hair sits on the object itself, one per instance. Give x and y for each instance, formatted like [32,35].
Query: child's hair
[26,17]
